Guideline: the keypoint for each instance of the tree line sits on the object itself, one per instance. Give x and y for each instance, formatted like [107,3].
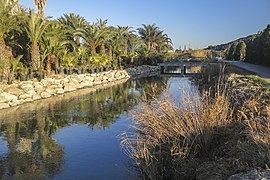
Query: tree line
[31,43]
[253,49]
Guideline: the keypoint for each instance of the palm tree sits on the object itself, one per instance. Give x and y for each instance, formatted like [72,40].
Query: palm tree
[135,45]
[94,34]
[148,33]
[40,4]
[7,23]
[35,28]
[124,34]
[154,38]
[76,25]
[54,42]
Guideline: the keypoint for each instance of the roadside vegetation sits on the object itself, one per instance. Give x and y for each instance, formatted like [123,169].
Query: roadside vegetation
[32,45]
[219,132]
[253,49]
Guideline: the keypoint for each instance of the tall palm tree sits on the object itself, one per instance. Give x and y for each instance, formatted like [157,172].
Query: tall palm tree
[154,38]
[40,4]
[35,28]
[54,42]
[148,33]
[124,34]
[94,34]
[135,45]
[76,25]
[7,23]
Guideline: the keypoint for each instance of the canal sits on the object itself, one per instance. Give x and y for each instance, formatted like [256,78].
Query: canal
[77,137]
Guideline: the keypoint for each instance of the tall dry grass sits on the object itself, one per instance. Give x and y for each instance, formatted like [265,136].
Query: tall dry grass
[207,129]
[256,116]
[165,131]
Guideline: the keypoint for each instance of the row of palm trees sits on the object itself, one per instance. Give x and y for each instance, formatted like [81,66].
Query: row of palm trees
[28,40]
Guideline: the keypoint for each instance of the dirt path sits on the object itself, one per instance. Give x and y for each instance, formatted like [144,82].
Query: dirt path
[259,70]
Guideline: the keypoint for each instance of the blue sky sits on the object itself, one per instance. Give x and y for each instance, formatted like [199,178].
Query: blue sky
[198,22]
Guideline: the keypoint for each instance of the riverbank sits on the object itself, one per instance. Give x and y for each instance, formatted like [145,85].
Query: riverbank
[221,133]
[260,70]
[21,92]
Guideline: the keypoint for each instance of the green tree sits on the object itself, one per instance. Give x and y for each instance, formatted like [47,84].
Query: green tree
[240,51]
[7,23]
[135,46]
[35,27]
[94,35]
[54,43]
[76,25]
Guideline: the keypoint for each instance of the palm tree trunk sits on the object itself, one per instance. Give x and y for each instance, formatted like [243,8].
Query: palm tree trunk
[149,45]
[5,54]
[110,53]
[35,56]
[77,40]
[48,65]
[102,49]
[126,48]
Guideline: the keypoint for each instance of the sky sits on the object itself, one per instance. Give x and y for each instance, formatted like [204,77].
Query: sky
[199,23]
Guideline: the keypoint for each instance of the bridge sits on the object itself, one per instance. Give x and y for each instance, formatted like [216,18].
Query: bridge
[184,64]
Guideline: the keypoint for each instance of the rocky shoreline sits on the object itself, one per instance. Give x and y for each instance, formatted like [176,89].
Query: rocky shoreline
[21,92]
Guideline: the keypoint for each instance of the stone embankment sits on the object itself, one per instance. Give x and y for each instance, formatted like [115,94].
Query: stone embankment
[27,91]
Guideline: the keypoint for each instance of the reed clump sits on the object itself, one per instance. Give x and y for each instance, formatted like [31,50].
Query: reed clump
[202,136]
[166,131]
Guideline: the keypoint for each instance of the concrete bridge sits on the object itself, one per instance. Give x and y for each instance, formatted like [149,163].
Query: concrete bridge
[183,65]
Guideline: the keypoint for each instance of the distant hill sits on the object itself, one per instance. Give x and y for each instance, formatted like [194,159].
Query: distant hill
[222,47]
[253,48]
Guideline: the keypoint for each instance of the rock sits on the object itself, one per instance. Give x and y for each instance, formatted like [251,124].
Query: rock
[253,174]
[14,91]
[53,86]
[50,90]
[4,105]
[16,102]
[87,83]
[25,96]
[36,97]
[97,81]
[69,86]
[64,80]
[28,100]
[45,95]
[105,77]
[9,97]
[27,87]
[89,78]
[60,91]
[32,92]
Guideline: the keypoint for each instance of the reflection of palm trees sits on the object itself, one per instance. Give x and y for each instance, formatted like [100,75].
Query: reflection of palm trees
[37,154]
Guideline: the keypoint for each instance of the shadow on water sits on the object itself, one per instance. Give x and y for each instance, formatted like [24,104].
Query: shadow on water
[74,136]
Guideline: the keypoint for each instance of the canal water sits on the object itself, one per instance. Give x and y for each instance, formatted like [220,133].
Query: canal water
[76,137]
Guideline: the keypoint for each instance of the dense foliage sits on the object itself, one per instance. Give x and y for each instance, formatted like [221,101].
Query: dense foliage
[254,48]
[70,43]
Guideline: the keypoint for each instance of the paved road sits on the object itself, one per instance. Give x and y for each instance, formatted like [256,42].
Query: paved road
[259,70]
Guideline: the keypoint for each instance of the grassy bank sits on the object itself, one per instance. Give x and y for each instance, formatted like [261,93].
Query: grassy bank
[214,135]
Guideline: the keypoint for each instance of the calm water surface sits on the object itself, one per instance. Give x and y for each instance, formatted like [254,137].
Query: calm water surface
[76,136]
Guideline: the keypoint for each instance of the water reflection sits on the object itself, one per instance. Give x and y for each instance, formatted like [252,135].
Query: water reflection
[183,70]
[35,138]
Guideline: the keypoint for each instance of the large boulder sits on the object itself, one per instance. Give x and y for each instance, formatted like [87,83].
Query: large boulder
[27,87]
[25,96]
[7,97]
[45,95]
[70,86]
[14,91]
[4,105]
